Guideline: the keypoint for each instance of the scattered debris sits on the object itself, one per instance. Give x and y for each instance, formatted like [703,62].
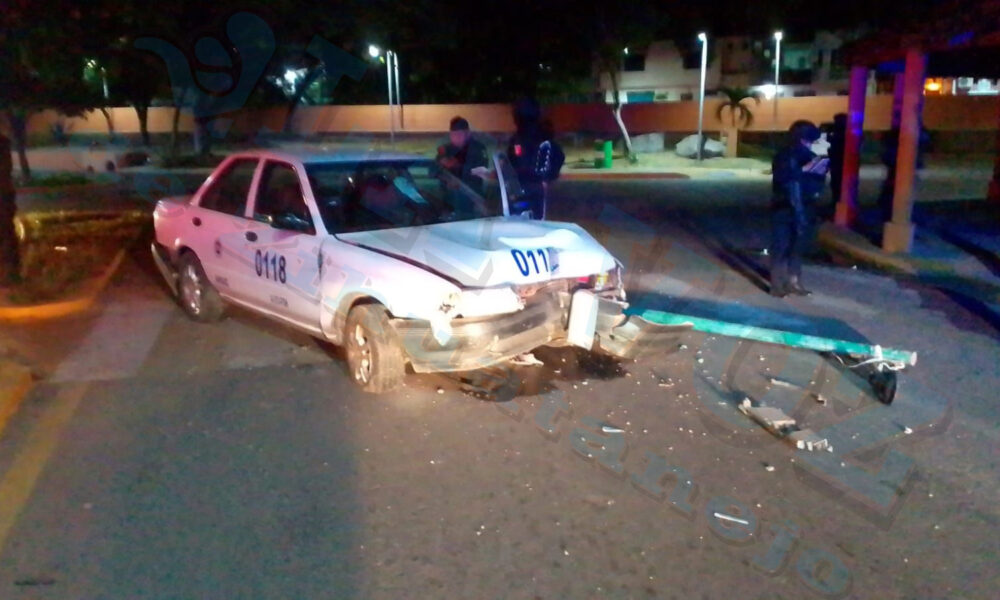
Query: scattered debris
[773,419]
[782,383]
[612,429]
[806,439]
[784,427]
[440,390]
[769,468]
[724,517]
[907,430]
[526,359]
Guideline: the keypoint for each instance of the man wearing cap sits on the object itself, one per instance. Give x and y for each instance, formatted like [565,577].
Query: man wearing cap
[462,154]
[798,177]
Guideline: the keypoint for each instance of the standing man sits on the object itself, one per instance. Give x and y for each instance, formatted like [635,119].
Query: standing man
[535,156]
[797,179]
[462,154]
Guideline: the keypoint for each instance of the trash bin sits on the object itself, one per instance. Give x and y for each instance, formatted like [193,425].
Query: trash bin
[603,150]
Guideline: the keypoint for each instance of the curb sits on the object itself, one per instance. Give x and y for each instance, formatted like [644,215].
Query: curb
[852,244]
[15,383]
[63,308]
[593,176]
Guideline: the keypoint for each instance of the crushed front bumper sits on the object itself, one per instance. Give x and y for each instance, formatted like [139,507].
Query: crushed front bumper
[547,319]
[481,342]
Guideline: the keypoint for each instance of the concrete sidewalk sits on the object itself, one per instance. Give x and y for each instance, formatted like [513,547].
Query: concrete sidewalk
[955,249]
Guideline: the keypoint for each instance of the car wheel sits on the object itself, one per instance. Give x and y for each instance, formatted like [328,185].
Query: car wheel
[196,295]
[374,355]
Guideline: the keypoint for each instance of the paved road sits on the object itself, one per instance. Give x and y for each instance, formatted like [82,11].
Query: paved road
[167,459]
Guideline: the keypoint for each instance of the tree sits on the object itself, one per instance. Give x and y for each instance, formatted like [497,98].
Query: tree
[739,113]
[614,27]
[10,264]
[41,65]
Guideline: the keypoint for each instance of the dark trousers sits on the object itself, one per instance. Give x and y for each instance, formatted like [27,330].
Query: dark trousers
[790,239]
[533,199]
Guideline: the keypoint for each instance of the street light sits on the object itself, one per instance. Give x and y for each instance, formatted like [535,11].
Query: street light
[777,72]
[391,72]
[701,100]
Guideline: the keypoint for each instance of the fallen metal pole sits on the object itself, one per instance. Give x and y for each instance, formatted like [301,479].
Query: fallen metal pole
[784,338]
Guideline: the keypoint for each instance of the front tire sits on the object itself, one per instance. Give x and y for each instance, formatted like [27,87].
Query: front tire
[195,293]
[374,355]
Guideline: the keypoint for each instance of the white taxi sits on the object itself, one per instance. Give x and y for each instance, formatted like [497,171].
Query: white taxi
[393,258]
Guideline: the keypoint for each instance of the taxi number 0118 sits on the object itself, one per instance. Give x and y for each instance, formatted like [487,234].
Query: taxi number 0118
[269,266]
[532,261]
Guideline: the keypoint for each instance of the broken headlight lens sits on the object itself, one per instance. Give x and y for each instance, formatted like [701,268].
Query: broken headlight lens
[607,281]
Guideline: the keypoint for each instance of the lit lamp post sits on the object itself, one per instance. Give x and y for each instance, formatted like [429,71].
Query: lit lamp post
[777,73]
[701,99]
[391,71]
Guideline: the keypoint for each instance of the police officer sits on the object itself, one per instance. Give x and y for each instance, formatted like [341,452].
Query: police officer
[798,177]
[535,156]
[462,154]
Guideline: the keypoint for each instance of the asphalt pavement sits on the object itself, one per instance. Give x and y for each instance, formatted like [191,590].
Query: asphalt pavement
[161,458]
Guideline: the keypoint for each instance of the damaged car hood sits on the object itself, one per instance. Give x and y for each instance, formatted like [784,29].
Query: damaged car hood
[494,251]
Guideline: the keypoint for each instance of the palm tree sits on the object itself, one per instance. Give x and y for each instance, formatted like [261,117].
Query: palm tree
[739,113]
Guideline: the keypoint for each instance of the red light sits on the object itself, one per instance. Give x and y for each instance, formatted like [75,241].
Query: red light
[517,149]
[583,279]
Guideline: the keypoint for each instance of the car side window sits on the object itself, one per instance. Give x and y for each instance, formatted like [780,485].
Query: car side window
[228,193]
[280,201]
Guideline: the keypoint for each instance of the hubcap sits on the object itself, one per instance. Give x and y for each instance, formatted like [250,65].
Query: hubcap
[191,289]
[362,355]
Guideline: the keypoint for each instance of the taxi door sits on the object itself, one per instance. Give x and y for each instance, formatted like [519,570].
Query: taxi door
[284,246]
[218,224]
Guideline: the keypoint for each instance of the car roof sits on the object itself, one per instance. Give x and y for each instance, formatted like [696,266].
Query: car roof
[314,156]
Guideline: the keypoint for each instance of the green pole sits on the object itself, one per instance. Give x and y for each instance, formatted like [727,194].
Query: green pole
[776,336]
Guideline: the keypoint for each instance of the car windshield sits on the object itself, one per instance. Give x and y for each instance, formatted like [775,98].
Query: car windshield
[369,195]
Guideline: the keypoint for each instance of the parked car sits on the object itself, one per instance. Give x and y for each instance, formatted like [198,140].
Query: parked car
[393,258]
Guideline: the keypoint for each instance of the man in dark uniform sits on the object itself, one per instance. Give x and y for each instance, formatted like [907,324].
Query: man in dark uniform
[798,177]
[535,156]
[462,154]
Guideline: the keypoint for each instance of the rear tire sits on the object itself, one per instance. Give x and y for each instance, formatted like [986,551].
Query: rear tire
[374,355]
[195,293]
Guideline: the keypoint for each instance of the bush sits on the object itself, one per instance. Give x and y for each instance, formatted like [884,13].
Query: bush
[57,180]
[181,161]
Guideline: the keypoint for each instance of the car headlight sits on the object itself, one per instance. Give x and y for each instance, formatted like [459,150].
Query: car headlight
[481,302]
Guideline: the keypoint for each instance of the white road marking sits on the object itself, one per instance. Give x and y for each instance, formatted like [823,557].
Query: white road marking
[118,344]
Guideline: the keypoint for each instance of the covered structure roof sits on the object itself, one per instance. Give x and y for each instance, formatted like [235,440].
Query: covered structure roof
[960,38]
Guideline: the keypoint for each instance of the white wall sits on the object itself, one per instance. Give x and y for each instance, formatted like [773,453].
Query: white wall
[664,74]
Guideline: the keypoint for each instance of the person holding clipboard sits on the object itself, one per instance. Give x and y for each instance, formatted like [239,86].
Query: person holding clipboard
[798,176]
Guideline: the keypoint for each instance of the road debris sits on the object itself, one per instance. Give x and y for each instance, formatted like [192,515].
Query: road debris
[725,517]
[773,419]
[806,439]
[784,427]
[526,359]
